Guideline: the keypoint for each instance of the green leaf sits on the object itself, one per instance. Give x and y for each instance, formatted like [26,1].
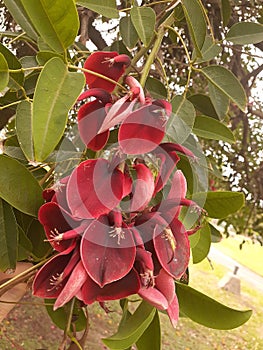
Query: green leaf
[210,128]
[196,23]
[225,12]
[19,187]
[36,234]
[227,83]
[128,32]
[56,21]
[18,12]
[106,8]
[208,312]
[143,19]
[132,328]
[60,316]
[219,100]
[151,338]
[181,122]
[24,128]
[4,75]
[44,56]
[201,249]
[16,79]
[244,33]
[156,88]
[203,104]
[220,204]
[209,50]
[24,245]
[56,91]
[216,235]
[8,237]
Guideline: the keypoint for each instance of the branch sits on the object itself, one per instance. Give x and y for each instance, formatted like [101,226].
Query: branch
[254,73]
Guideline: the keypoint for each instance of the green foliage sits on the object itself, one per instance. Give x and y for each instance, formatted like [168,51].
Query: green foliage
[106,8]
[56,91]
[4,74]
[128,32]
[132,328]
[202,246]
[243,33]
[208,312]
[143,19]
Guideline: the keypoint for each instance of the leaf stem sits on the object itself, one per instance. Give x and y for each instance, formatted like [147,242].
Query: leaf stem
[11,104]
[67,328]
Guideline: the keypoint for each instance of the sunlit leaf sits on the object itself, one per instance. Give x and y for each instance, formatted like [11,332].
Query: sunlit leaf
[196,23]
[18,12]
[243,33]
[211,128]
[206,311]
[219,99]
[44,56]
[216,235]
[27,197]
[227,83]
[16,79]
[4,75]
[220,204]
[105,8]
[143,19]
[8,237]
[131,330]
[56,21]
[56,91]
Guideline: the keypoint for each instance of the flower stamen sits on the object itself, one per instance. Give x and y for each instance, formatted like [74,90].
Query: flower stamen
[117,232]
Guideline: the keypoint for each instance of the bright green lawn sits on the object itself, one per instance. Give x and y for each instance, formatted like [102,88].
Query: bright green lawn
[251,255]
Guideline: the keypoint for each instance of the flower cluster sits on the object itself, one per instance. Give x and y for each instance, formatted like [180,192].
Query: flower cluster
[113,236]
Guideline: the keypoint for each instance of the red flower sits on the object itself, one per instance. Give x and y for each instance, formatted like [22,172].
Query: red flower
[108,64]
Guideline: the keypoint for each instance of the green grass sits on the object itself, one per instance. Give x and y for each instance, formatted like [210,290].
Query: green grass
[251,254]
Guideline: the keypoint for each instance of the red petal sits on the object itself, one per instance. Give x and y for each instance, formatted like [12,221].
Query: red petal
[173,252]
[93,189]
[105,63]
[42,285]
[122,288]
[55,221]
[143,188]
[154,297]
[76,280]
[174,147]
[165,284]
[173,311]
[90,119]
[103,96]
[143,130]
[105,257]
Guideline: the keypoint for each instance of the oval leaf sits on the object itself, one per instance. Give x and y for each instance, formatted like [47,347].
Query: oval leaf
[201,249]
[143,19]
[220,204]
[227,83]
[105,8]
[16,79]
[24,128]
[156,88]
[4,75]
[211,128]
[27,197]
[8,237]
[206,311]
[128,32]
[57,22]
[244,33]
[56,91]
[203,104]
[132,328]
[18,12]
[196,23]
[225,11]
[151,338]
[219,100]
[180,123]
[209,50]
